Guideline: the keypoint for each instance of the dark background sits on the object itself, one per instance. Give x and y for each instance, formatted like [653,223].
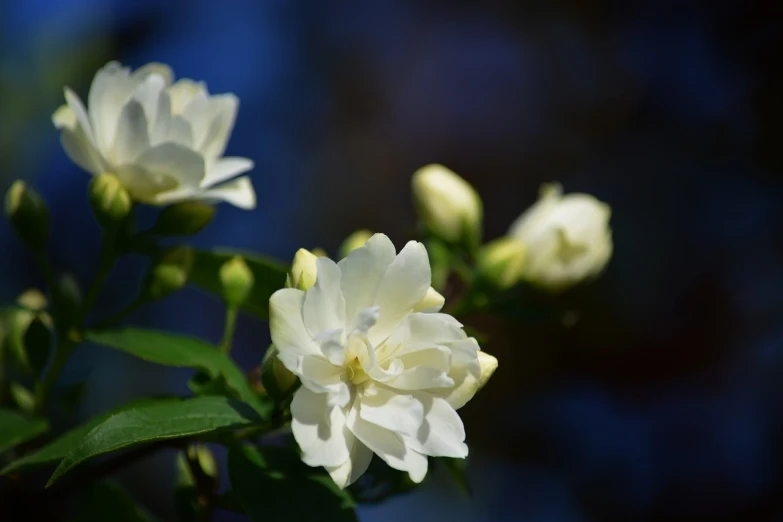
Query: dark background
[663,401]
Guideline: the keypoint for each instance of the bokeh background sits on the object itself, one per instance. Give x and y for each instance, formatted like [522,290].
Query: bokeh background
[663,401]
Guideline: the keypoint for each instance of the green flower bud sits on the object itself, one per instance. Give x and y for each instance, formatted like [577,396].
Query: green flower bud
[24,398]
[303,270]
[29,335]
[354,241]
[170,273]
[237,280]
[28,215]
[276,379]
[109,199]
[448,205]
[502,262]
[184,219]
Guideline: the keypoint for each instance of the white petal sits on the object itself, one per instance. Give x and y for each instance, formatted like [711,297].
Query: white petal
[110,89]
[421,378]
[363,271]
[147,93]
[224,112]
[431,302]
[183,92]
[287,326]
[178,131]
[226,168]
[388,445]
[442,433]
[142,184]
[238,192]
[318,429]
[154,68]
[401,413]
[466,372]
[75,142]
[131,138]
[198,113]
[320,371]
[353,468]
[80,112]
[171,160]
[159,125]
[403,286]
[324,306]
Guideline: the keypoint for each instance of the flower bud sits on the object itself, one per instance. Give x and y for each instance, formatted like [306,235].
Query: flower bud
[184,219]
[237,281]
[567,236]
[488,365]
[354,241]
[303,270]
[502,262]
[170,273]
[448,205]
[109,199]
[431,302]
[28,215]
[29,333]
[276,379]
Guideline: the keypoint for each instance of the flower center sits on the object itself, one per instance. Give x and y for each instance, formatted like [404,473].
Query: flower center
[356,357]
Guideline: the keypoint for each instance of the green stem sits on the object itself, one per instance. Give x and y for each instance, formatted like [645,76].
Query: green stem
[65,342]
[228,332]
[48,274]
[104,267]
[44,388]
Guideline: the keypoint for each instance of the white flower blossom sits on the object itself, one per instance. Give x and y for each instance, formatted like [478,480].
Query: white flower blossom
[377,375]
[163,140]
[568,238]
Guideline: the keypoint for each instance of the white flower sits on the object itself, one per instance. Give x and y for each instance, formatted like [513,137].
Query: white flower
[377,376]
[568,238]
[164,141]
[448,205]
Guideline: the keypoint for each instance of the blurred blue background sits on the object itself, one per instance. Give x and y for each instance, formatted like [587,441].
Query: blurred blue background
[663,401]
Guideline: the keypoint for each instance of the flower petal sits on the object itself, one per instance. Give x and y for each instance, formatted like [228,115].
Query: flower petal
[442,433]
[287,326]
[362,273]
[75,103]
[226,168]
[388,445]
[110,89]
[324,306]
[319,430]
[401,413]
[131,138]
[404,284]
[223,112]
[172,160]
[353,468]
[238,192]
[75,142]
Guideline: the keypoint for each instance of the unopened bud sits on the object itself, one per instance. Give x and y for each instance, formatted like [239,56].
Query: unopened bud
[502,262]
[184,219]
[29,333]
[170,273]
[488,365]
[303,270]
[237,280]
[109,199]
[354,241]
[448,205]
[28,215]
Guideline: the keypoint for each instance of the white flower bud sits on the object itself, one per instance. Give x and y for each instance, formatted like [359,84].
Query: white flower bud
[303,270]
[447,204]
[568,238]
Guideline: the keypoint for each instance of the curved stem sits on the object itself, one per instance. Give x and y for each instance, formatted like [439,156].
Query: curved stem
[228,332]
[44,388]
[122,314]
[104,267]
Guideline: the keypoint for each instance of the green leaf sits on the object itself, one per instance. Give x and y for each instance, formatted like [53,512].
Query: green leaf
[16,428]
[182,352]
[59,448]
[268,276]
[164,420]
[102,501]
[274,484]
